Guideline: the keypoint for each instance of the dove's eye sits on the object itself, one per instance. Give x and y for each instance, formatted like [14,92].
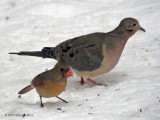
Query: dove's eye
[134,24]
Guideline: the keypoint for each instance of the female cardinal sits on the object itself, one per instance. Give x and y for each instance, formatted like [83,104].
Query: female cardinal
[51,82]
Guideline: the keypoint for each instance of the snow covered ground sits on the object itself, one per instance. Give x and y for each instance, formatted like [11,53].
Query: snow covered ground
[133,91]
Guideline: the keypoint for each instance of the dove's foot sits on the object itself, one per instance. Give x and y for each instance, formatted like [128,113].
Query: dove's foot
[94,82]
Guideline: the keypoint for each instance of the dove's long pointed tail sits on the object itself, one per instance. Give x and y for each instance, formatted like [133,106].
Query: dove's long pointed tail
[46,52]
[30,53]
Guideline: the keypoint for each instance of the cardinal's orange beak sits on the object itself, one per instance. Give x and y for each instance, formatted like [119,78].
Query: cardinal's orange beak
[69,73]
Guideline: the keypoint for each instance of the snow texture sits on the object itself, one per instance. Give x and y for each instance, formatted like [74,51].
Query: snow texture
[133,91]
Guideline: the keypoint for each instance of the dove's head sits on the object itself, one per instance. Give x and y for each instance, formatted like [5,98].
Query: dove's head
[130,25]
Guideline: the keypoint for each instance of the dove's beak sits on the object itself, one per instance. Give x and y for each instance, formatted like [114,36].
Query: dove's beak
[142,29]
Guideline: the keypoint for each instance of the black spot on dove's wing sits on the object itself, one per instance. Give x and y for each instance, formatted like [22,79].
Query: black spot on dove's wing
[92,45]
[83,53]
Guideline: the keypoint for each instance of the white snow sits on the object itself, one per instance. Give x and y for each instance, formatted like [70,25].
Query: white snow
[133,91]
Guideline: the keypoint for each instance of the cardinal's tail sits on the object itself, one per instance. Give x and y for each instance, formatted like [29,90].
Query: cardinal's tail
[26,89]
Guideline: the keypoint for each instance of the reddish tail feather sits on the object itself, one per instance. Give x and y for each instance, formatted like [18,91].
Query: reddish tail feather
[26,89]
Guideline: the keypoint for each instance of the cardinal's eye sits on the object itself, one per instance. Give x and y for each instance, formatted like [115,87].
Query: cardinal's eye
[62,70]
[134,24]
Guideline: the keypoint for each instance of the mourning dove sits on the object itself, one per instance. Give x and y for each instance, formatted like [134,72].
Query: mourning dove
[92,54]
[51,82]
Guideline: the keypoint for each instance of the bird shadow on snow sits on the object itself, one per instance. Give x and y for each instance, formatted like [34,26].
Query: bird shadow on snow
[47,104]
[54,104]
[109,79]
[112,78]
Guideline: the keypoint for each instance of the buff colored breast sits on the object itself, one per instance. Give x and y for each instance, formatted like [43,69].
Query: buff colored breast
[110,60]
[51,88]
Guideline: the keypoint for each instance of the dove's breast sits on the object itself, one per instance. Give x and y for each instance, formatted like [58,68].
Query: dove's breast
[110,60]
